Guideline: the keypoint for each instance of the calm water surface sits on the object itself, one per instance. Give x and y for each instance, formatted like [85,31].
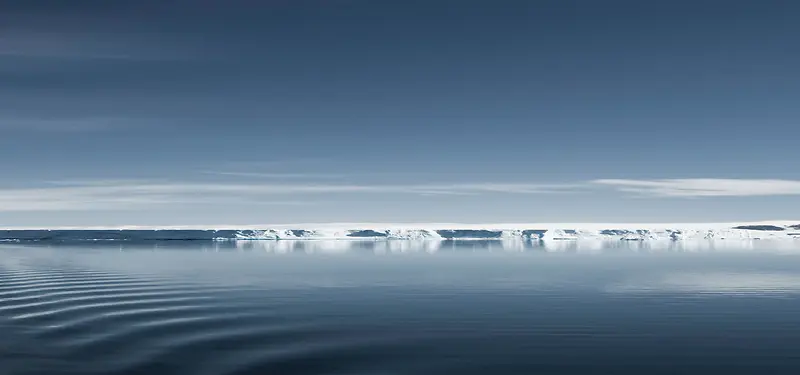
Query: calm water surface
[347,308]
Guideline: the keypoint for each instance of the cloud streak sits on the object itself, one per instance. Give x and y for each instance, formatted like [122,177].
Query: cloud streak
[77,125]
[278,175]
[70,45]
[100,195]
[703,187]
[117,195]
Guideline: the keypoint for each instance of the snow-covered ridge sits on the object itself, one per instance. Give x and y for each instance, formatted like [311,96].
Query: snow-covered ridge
[431,226]
[551,233]
[344,234]
[748,231]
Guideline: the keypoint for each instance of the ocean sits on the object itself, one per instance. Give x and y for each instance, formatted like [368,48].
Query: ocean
[395,307]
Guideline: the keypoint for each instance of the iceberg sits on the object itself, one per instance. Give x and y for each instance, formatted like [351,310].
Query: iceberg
[534,232]
[508,233]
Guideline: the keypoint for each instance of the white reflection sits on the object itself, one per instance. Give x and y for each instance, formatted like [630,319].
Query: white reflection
[299,246]
[714,283]
[511,244]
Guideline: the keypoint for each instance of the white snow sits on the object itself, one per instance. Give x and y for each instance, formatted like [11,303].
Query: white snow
[549,232]
[544,232]
[430,226]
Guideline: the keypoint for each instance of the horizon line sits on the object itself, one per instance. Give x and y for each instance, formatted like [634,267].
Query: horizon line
[408,225]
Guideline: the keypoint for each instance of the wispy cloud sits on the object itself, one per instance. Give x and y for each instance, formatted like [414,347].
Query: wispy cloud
[65,125]
[72,45]
[277,175]
[97,195]
[83,55]
[273,165]
[704,187]
[120,195]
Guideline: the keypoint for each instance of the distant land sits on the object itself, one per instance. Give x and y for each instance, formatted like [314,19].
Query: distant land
[771,230]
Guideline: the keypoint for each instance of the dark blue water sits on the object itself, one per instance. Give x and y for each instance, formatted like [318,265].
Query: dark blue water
[344,308]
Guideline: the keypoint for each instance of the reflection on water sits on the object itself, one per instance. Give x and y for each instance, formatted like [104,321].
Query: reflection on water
[513,245]
[510,245]
[448,307]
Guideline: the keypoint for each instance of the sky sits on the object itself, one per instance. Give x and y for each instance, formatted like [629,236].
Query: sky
[157,112]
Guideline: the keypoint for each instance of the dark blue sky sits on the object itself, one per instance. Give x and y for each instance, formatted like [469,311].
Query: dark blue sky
[188,112]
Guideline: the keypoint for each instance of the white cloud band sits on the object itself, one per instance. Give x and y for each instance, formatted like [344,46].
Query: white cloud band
[115,195]
[120,194]
[704,187]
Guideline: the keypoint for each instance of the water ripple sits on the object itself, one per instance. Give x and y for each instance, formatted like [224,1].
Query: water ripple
[64,314]
[129,324]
